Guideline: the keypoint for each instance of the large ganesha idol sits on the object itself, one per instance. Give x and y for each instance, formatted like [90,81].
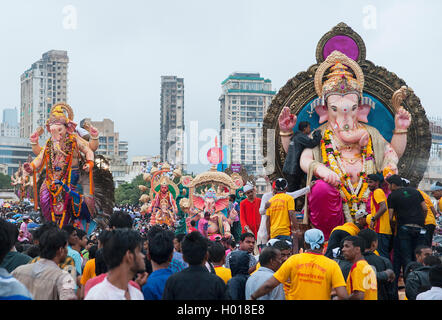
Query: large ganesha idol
[352,145]
[209,197]
[66,157]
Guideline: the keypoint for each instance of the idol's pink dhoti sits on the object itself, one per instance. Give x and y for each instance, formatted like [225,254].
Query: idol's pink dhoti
[325,207]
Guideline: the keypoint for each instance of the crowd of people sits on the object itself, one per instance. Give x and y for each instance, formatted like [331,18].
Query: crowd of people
[386,249]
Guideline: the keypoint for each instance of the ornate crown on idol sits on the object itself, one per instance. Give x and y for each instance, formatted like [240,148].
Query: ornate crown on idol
[340,81]
[60,114]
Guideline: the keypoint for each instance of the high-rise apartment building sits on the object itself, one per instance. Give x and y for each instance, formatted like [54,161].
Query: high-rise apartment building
[42,86]
[243,103]
[9,127]
[110,144]
[172,120]
[433,172]
[10,116]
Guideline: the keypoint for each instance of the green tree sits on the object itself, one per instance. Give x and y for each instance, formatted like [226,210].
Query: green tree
[5,181]
[129,193]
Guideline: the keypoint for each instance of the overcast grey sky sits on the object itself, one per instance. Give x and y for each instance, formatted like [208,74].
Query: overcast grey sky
[119,50]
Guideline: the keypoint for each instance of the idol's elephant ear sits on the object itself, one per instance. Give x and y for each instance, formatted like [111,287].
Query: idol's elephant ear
[221,204]
[198,202]
[364,109]
[321,109]
[71,127]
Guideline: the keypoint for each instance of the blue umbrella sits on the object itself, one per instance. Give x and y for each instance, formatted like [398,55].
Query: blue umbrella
[11,220]
[18,215]
[33,225]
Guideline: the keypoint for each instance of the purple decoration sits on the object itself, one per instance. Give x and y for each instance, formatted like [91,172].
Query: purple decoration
[343,44]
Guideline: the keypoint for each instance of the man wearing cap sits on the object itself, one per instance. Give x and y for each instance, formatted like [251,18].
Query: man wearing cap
[379,217]
[436,192]
[312,276]
[281,222]
[249,211]
[347,229]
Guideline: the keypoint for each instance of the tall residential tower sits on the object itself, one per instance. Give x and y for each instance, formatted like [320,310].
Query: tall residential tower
[42,86]
[243,103]
[172,120]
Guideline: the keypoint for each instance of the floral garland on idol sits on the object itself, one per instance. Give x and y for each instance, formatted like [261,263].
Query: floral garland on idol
[354,197]
[57,192]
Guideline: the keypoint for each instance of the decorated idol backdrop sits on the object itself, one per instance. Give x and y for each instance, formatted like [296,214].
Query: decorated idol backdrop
[369,119]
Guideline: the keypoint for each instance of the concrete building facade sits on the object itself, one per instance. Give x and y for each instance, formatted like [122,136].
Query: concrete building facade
[434,167]
[243,103]
[43,85]
[111,147]
[172,120]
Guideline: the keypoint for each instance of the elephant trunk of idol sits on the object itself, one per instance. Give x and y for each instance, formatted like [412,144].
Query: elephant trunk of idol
[348,131]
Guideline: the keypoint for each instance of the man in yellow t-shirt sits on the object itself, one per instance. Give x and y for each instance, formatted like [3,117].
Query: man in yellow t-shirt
[361,281]
[312,275]
[281,222]
[380,218]
[430,219]
[217,256]
[347,229]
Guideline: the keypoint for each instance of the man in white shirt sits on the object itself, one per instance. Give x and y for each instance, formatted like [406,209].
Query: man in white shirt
[122,253]
[435,293]
[270,260]
[263,235]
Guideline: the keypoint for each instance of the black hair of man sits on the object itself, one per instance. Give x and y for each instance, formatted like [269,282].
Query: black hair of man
[153,231]
[51,241]
[193,223]
[161,247]
[357,242]
[69,229]
[179,236]
[369,236]
[435,276]
[5,238]
[282,245]
[246,235]
[92,251]
[216,251]
[232,197]
[120,219]
[100,264]
[103,237]
[431,261]
[194,248]
[13,234]
[395,179]
[120,241]
[303,125]
[267,255]
[81,233]
[419,248]
[375,177]
[44,227]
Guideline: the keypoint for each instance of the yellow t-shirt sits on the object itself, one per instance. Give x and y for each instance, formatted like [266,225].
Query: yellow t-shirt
[280,223]
[224,273]
[349,227]
[88,271]
[286,283]
[440,205]
[363,278]
[312,275]
[430,219]
[382,225]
